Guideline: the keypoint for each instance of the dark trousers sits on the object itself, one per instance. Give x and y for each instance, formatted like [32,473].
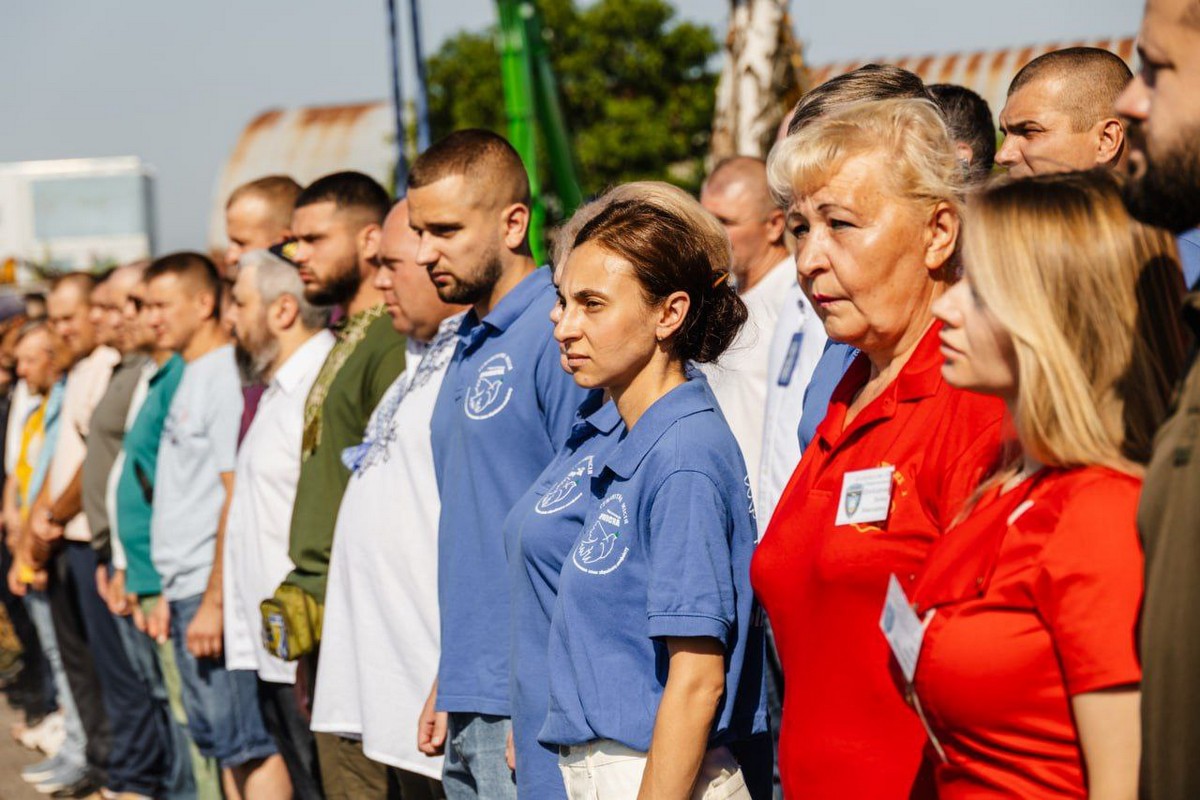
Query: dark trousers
[33,692]
[104,681]
[280,706]
[77,662]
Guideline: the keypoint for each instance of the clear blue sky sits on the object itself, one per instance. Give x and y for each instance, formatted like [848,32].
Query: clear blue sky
[174,82]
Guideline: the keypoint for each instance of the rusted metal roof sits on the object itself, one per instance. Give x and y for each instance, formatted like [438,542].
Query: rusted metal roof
[306,143]
[987,72]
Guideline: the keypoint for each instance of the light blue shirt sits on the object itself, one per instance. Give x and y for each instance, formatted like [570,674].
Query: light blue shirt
[664,552]
[199,442]
[1189,256]
[825,378]
[50,425]
[505,407]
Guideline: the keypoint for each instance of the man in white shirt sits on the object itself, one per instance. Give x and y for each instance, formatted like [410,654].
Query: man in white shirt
[380,640]
[285,339]
[736,193]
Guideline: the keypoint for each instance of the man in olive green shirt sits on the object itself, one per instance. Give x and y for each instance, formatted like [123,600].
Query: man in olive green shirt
[338,222]
[1162,105]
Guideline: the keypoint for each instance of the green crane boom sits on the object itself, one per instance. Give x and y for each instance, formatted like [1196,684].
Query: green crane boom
[531,103]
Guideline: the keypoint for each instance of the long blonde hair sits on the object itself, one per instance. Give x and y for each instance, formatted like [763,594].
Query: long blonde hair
[1091,298]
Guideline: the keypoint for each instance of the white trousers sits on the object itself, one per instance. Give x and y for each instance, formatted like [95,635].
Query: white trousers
[606,770]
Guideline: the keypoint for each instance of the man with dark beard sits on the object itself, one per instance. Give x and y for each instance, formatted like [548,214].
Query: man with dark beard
[338,225]
[1162,105]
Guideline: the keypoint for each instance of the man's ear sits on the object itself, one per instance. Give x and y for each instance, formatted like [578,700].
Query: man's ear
[208,304]
[514,221]
[1110,142]
[283,312]
[776,227]
[368,242]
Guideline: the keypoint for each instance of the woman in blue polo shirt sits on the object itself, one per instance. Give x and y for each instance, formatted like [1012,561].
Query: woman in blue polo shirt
[538,535]
[655,660]
[541,531]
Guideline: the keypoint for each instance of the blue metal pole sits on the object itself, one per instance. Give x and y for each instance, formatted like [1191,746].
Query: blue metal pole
[400,175]
[422,99]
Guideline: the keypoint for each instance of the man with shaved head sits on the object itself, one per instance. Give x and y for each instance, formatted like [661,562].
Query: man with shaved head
[504,408]
[258,215]
[1059,114]
[377,665]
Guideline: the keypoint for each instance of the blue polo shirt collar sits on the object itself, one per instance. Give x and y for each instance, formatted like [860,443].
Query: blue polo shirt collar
[507,311]
[594,417]
[684,400]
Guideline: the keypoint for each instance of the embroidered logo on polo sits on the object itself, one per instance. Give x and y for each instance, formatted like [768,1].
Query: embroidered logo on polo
[567,491]
[489,395]
[601,549]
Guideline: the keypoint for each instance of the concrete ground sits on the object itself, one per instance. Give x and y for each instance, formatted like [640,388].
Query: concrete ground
[13,757]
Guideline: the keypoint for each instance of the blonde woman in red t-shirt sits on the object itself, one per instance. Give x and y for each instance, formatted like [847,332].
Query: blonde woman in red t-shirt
[1027,678]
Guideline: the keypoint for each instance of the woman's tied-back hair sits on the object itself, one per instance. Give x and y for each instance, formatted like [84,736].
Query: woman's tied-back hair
[1091,298]
[922,166]
[668,195]
[672,244]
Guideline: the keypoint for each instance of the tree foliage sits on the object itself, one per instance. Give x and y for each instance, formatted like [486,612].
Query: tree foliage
[636,86]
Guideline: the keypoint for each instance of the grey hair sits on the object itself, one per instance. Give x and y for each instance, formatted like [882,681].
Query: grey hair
[276,277]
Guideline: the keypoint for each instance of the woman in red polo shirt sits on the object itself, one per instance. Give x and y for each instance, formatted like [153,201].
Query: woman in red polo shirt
[1027,674]
[872,196]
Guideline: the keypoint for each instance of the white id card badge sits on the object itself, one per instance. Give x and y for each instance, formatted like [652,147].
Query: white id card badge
[866,496]
[902,628]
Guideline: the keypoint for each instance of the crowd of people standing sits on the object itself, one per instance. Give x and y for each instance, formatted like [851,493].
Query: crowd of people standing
[868,473]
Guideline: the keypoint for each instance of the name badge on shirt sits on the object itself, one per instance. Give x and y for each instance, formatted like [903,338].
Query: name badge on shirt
[789,361]
[902,628]
[866,496]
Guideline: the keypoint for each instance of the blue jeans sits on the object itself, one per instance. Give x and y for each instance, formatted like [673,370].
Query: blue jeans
[222,705]
[74,749]
[474,767]
[143,657]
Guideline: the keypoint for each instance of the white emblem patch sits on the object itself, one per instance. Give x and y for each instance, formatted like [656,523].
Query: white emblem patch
[489,395]
[601,550]
[567,491]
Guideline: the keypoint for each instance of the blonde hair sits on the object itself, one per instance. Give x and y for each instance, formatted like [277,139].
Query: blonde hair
[923,165]
[659,194]
[1090,298]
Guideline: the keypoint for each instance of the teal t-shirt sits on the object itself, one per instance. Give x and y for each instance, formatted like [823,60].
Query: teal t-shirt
[135,486]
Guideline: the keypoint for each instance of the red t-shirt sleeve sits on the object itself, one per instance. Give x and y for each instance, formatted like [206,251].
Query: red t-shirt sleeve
[1089,587]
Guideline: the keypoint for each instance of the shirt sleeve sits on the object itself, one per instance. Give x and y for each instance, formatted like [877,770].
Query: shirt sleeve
[558,394]
[1089,586]
[225,423]
[691,590]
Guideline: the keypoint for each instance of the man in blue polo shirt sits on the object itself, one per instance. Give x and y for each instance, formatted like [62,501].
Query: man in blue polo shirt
[505,407]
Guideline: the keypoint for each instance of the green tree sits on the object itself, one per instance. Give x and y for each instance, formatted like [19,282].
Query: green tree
[636,86]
